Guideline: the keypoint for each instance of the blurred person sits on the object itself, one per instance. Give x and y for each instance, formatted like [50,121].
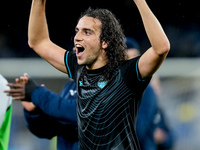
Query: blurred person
[101,70]
[48,114]
[148,108]
[151,128]
[163,135]
[145,126]
[5,114]
[132,47]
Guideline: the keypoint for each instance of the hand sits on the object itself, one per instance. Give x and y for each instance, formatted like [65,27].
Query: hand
[29,106]
[17,90]
[23,79]
[160,136]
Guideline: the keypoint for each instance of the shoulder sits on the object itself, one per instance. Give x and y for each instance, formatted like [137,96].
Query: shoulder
[71,64]
[70,55]
[131,75]
[129,66]
[130,63]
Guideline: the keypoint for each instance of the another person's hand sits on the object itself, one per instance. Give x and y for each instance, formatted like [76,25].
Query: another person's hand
[29,106]
[159,136]
[17,90]
[22,89]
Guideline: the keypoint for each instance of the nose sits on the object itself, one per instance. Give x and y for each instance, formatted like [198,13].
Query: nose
[78,36]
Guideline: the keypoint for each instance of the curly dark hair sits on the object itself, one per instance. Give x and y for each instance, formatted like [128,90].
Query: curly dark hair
[112,34]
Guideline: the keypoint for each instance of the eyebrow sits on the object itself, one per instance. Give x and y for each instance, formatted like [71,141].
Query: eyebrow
[84,29]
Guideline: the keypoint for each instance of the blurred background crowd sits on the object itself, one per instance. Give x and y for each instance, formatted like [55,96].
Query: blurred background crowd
[179,83]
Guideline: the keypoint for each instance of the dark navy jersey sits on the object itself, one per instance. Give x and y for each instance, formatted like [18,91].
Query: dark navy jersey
[107,110]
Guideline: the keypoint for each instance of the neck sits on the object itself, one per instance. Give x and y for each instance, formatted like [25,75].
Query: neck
[101,61]
[96,66]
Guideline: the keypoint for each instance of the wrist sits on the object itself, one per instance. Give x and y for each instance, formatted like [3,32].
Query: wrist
[29,88]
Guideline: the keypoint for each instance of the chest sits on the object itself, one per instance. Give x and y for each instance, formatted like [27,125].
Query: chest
[97,96]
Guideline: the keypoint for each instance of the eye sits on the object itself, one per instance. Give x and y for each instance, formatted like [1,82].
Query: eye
[87,32]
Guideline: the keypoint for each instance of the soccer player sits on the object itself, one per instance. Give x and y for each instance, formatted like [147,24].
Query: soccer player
[110,86]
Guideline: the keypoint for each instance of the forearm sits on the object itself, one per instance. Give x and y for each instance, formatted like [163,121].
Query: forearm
[155,33]
[38,37]
[54,105]
[37,29]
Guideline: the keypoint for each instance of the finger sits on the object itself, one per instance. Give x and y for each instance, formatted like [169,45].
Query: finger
[26,80]
[23,80]
[17,80]
[14,91]
[26,75]
[27,103]
[15,94]
[15,86]
[18,98]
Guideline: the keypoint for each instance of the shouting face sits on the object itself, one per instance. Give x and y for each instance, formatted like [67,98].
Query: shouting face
[89,50]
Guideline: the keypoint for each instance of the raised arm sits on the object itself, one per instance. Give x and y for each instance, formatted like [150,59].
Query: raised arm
[151,60]
[38,37]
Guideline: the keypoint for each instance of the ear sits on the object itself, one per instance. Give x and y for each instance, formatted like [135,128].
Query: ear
[104,45]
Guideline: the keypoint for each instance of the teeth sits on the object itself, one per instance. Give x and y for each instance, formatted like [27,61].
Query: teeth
[78,46]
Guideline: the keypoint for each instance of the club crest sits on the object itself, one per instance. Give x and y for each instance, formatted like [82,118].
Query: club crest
[102,84]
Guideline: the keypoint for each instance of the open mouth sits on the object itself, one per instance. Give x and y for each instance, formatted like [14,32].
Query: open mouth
[79,49]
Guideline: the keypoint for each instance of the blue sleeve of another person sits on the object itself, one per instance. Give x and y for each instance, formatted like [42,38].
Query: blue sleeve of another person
[55,115]
[60,106]
[40,124]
